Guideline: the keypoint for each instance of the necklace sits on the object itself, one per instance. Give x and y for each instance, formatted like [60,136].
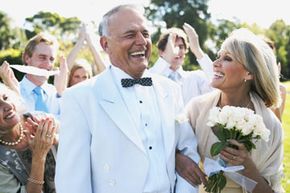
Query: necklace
[18,140]
[247,106]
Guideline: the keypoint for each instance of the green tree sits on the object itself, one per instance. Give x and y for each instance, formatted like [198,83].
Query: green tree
[52,23]
[64,29]
[8,34]
[279,33]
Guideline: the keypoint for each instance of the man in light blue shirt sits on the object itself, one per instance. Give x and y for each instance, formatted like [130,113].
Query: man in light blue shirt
[40,52]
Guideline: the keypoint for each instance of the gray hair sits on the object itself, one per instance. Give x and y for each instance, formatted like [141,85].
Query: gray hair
[258,58]
[104,24]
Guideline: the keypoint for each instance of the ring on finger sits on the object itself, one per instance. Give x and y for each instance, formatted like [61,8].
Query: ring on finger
[49,136]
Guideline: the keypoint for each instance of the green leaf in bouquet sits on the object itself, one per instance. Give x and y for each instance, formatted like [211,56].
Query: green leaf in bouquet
[220,132]
[250,145]
[216,148]
[221,181]
[237,134]
[227,134]
[216,183]
[211,185]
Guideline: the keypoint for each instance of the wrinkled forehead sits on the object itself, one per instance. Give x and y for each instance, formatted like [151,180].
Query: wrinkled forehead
[128,19]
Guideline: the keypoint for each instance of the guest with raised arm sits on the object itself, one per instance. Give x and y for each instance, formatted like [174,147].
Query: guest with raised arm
[172,47]
[81,69]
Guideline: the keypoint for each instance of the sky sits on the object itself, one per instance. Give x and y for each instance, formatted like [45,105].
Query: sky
[262,12]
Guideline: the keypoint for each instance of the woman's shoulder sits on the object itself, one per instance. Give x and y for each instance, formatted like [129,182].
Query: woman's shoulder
[270,119]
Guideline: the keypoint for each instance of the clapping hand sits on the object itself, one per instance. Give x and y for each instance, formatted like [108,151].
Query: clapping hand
[43,137]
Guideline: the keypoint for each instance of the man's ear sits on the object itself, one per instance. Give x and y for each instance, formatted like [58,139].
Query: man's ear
[26,59]
[104,43]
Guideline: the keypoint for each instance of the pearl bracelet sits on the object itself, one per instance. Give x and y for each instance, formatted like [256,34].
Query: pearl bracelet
[34,181]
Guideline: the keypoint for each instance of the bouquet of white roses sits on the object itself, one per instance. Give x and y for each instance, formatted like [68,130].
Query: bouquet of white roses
[237,123]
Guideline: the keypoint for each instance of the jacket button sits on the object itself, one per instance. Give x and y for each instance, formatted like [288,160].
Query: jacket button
[107,167]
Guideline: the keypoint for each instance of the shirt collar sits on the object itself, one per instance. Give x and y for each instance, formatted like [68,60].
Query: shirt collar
[120,74]
[164,67]
[30,85]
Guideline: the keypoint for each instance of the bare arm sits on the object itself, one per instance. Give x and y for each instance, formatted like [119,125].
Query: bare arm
[204,61]
[76,49]
[98,60]
[193,41]
[40,146]
[283,93]
[61,79]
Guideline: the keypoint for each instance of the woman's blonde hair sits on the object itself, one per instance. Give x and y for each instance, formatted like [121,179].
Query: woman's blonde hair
[259,59]
[80,63]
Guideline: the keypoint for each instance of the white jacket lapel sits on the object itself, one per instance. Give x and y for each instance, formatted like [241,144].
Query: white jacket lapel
[113,104]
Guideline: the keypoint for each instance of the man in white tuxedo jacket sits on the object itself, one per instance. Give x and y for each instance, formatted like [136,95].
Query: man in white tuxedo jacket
[120,130]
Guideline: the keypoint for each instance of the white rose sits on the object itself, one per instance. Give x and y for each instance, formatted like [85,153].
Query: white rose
[225,115]
[249,125]
[213,116]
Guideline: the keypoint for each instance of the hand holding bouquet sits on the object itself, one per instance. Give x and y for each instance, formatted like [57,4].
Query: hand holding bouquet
[240,124]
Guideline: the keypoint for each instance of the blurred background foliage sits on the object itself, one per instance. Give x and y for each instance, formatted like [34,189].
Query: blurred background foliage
[163,14]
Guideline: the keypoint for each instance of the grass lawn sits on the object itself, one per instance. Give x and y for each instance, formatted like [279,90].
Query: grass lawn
[286,126]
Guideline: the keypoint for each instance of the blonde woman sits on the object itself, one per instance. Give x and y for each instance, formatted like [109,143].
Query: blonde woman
[246,76]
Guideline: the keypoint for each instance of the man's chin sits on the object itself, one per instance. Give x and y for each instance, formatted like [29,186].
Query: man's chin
[42,79]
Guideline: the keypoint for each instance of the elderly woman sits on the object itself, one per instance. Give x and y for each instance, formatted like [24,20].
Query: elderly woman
[26,163]
[246,76]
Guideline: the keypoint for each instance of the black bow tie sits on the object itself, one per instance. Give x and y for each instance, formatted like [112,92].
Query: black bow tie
[127,82]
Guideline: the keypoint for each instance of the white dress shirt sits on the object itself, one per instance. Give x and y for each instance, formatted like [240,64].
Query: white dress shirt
[50,96]
[193,83]
[142,104]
